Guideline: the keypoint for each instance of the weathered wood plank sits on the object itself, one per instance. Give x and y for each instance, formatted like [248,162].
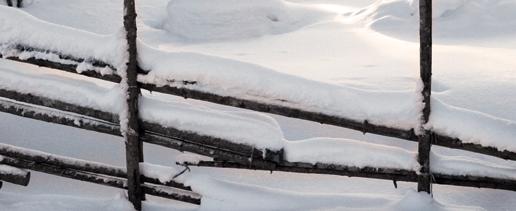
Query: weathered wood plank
[134,146]
[74,120]
[161,191]
[14,175]
[425,138]
[375,173]
[148,127]
[9,152]
[365,127]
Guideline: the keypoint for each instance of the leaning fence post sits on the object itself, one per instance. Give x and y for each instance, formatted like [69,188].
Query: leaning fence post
[134,153]
[425,140]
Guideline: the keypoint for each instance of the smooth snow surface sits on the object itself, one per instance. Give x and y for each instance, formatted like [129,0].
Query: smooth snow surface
[350,153]
[453,19]
[200,20]
[352,58]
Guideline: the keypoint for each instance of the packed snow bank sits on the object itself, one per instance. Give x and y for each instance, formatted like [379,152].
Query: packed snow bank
[350,153]
[201,20]
[453,18]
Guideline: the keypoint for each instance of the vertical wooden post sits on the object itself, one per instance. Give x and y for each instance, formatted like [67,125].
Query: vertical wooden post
[19,3]
[134,152]
[425,140]
[9,3]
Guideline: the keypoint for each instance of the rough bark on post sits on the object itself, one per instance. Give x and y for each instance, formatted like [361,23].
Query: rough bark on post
[134,152]
[425,138]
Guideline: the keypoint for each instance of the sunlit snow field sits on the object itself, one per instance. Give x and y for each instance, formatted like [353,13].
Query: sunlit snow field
[356,44]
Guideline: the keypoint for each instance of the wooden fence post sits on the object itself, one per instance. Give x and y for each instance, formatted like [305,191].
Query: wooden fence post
[425,139]
[134,152]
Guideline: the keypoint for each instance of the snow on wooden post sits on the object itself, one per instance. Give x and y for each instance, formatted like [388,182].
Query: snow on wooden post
[425,36]
[134,152]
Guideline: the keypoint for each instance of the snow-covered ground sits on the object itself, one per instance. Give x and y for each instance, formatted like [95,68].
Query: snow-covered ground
[366,52]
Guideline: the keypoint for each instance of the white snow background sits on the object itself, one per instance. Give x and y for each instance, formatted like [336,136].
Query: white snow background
[366,51]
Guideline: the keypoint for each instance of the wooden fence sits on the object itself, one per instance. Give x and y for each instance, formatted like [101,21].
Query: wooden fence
[226,154]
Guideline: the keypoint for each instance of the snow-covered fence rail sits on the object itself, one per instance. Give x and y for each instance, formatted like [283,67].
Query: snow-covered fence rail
[266,106]
[233,158]
[91,172]
[396,175]
[14,175]
[55,111]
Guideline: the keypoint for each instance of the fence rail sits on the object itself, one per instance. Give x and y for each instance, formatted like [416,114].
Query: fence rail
[73,172]
[225,153]
[282,110]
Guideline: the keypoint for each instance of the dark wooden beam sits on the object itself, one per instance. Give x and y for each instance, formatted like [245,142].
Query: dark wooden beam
[426,137]
[134,146]
[283,110]
[19,176]
[9,151]
[70,67]
[58,117]
[148,127]
[161,191]
[149,136]
[321,168]
[375,173]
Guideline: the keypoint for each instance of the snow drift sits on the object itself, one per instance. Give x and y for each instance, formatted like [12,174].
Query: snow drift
[201,20]
[452,18]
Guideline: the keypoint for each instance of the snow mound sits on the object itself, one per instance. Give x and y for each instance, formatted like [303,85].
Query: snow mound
[206,20]
[452,18]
